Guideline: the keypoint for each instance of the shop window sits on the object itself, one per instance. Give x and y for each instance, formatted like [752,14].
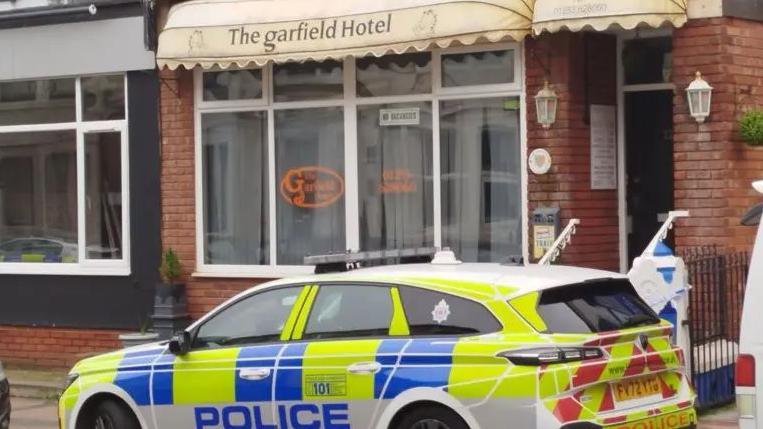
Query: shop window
[311,186]
[308,81]
[478,68]
[648,60]
[481,178]
[37,102]
[236,202]
[395,176]
[45,195]
[404,74]
[103,204]
[233,85]
[38,197]
[103,98]
[293,165]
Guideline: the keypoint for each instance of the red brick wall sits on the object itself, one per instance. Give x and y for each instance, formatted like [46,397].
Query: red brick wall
[53,347]
[713,167]
[578,83]
[178,192]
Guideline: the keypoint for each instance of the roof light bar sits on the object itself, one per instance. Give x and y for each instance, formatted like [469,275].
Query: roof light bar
[340,262]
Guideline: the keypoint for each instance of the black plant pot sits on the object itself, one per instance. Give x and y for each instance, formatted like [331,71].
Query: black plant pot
[167,291]
[170,309]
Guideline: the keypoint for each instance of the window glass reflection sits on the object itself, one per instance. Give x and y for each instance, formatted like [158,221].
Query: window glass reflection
[103,204]
[38,197]
[235,186]
[404,74]
[481,178]
[232,85]
[308,81]
[37,102]
[478,68]
[103,98]
[395,176]
[310,174]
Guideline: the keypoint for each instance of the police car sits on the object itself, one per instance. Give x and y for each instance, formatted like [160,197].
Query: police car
[441,345]
[748,379]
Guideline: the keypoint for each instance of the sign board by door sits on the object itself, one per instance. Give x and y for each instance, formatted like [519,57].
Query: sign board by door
[603,147]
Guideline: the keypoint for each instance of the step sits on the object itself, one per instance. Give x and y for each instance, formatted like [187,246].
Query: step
[36,384]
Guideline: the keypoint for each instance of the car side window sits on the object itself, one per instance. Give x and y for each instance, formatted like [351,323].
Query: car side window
[349,311]
[256,319]
[436,313]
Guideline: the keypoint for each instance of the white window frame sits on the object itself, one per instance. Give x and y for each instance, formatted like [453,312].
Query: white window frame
[84,266]
[349,103]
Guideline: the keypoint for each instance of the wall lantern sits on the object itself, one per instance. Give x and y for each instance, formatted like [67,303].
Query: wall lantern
[545,106]
[699,94]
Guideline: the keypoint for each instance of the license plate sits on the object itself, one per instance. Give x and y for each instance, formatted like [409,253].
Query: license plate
[637,388]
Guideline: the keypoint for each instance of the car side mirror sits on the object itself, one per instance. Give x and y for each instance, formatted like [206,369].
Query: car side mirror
[180,343]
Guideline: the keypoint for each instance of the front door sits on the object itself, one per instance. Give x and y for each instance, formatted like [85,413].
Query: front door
[649,165]
[226,380]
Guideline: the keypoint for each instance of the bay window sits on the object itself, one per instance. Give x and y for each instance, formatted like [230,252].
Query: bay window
[409,150]
[63,176]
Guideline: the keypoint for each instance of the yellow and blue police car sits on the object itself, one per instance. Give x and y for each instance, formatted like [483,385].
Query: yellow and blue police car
[443,345]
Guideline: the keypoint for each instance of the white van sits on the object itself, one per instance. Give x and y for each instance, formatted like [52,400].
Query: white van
[749,397]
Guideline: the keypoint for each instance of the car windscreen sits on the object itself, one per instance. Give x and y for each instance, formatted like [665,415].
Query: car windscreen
[595,306]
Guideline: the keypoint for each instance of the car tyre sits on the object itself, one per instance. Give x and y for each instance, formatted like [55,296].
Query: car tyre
[431,417]
[111,415]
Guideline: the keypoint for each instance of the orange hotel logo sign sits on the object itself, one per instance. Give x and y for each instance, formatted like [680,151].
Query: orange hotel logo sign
[311,187]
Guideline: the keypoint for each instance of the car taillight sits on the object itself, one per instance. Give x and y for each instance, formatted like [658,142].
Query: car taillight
[745,371]
[551,355]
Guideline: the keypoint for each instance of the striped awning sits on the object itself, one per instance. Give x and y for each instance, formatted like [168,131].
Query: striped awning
[222,33]
[576,15]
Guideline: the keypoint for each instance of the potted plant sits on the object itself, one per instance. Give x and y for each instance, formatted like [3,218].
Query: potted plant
[170,271]
[170,308]
[751,127]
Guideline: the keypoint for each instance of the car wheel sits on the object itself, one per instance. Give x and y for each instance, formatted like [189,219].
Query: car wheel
[111,415]
[431,417]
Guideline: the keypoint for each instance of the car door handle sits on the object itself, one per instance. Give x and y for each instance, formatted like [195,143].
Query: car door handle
[364,368]
[254,374]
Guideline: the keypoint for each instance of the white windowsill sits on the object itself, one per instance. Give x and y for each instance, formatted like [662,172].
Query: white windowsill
[56,269]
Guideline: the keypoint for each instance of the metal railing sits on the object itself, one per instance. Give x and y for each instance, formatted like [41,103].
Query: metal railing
[718,279]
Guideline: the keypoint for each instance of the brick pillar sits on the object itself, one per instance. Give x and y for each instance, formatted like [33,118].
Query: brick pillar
[177,174]
[583,70]
[713,167]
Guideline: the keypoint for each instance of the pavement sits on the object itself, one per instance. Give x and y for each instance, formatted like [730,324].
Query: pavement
[30,413]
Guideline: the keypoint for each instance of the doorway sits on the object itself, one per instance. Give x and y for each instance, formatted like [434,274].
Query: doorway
[648,165]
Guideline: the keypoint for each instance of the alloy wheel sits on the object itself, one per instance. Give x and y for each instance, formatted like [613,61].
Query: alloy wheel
[102,422]
[430,424]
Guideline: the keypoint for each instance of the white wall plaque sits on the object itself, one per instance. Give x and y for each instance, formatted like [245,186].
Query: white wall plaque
[603,147]
[397,117]
[539,161]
